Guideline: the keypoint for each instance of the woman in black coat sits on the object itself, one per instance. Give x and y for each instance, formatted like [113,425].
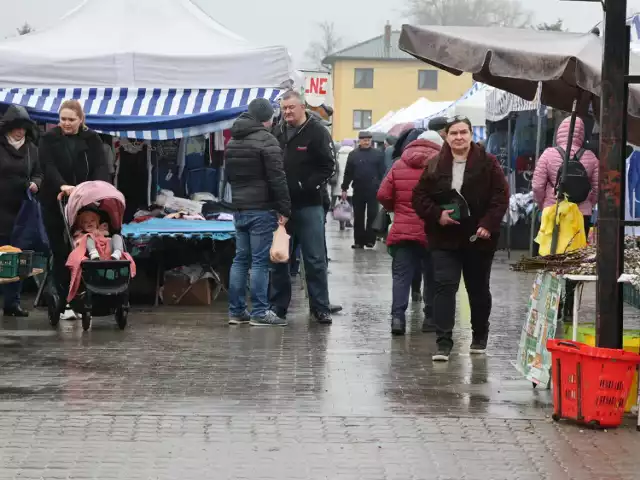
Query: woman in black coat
[19,172]
[70,154]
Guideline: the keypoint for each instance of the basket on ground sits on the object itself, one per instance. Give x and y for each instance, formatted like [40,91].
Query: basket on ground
[590,384]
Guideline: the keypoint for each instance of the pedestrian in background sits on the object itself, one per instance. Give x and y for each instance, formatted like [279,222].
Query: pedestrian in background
[343,155]
[309,163]
[260,198]
[407,240]
[389,143]
[19,171]
[365,170]
[462,197]
[584,178]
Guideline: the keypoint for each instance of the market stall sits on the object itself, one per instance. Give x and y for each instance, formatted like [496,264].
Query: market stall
[471,105]
[162,83]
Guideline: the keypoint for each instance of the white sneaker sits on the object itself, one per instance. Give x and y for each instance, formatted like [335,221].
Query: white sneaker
[117,255]
[69,314]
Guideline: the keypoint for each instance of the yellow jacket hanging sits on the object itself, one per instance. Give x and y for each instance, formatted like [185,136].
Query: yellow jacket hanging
[571,235]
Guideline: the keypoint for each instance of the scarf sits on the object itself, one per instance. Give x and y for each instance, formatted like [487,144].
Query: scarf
[17,144]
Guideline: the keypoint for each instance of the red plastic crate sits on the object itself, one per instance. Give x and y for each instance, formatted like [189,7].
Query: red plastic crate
[590,384]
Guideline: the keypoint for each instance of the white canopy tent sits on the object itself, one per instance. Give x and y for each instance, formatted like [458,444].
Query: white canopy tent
[421,108]
[144,69]
[140,43]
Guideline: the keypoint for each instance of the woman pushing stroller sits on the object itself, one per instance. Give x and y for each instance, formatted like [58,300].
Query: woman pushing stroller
[69,154]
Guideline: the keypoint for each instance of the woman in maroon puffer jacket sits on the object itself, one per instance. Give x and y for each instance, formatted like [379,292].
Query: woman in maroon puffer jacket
[407,241]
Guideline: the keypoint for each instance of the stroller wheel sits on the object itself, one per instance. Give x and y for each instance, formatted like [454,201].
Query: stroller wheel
[86,321]
[121,317]
[53,313]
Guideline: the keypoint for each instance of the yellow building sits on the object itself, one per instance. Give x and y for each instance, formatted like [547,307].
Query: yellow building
[375,77]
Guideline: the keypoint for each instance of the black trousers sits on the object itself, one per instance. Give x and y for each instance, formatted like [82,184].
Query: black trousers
[365,210]
[448,267]
[60,277]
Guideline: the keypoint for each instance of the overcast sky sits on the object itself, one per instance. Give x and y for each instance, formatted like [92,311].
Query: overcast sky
[295,24]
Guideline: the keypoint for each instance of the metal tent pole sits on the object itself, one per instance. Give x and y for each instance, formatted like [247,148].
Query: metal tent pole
[613,116]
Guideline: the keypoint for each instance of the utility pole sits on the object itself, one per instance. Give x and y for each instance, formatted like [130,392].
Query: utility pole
[610,255]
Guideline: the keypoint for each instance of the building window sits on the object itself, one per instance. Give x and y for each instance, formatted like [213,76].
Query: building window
[427,79]
[362,119]
[363,78]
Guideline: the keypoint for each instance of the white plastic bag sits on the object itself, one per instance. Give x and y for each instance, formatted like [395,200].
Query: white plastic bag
[343,212]
[279,252]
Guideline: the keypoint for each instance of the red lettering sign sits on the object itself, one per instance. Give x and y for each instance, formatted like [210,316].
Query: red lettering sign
[317,86]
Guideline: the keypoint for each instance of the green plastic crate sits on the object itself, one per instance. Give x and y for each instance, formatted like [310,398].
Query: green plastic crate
[40,261]
[14,265]
[630,295]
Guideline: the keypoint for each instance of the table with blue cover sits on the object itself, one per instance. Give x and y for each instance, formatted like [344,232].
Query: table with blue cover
[167,227]
[155,233]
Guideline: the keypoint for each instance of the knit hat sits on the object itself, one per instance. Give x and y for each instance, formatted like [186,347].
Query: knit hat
[432,136]
[437,124]
[261,109]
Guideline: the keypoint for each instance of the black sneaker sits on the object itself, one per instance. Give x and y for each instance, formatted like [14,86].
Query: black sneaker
[322,318]
[442,355]
[16,312]
[357,247]
[478,347]
[416,296]
[370,245]
[335,308]
[398,326]
[239,320]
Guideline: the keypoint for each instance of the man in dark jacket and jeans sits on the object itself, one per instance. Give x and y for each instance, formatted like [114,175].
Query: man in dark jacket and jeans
[260,197]
[366,169]
[308,163]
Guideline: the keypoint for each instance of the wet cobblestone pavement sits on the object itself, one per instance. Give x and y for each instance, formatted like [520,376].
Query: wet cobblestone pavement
[182,395]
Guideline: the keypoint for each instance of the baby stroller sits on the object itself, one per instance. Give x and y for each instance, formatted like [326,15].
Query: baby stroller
[104,284]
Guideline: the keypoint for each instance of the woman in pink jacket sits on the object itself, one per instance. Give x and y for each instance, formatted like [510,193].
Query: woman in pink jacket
[546,176]
[546,172]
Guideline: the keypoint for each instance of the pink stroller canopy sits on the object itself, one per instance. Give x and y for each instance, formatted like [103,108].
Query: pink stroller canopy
[102,194]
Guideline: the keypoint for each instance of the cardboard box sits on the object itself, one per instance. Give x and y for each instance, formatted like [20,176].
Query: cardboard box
[175,286]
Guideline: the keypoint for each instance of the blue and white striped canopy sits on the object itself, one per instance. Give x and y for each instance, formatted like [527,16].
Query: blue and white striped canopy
[143,113]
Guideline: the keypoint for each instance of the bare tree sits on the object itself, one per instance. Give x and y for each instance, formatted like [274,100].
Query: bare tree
[482,13]
[328,43]
[25,29]
[556,26]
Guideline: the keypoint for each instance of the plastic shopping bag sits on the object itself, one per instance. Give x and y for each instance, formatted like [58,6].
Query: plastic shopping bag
[279,252]
[343,212]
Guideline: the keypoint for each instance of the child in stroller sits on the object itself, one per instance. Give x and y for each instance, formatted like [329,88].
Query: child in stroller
[92,224]
[100,267]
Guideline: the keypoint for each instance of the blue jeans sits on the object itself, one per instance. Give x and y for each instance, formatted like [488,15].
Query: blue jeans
[254,235]
[10,291]
[411,259]
[307,226]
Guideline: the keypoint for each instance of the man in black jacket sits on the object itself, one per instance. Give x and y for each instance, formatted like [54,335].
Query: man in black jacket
[308,163]
[260,196]
[366,169]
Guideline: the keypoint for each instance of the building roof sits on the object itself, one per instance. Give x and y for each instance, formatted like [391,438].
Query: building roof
[372,49]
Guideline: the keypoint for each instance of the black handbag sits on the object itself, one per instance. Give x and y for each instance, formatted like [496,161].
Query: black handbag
[381,223]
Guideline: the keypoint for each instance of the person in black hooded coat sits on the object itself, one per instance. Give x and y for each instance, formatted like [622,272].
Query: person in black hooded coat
[19,172]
